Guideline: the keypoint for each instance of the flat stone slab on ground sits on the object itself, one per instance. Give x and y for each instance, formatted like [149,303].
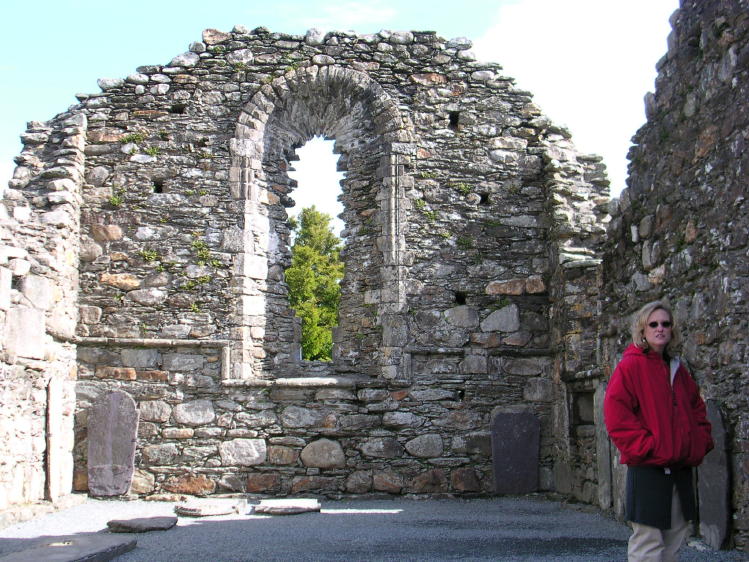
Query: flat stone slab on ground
[208,509]
[141,524]
[287,506]
[66,548]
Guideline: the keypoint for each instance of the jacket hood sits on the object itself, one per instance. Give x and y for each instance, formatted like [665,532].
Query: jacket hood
[633,350]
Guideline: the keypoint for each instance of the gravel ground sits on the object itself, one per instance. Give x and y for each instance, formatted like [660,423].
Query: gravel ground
[525,528]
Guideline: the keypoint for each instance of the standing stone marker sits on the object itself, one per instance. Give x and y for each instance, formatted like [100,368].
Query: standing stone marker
[55,440]
[714,484]
[112,431]
[515,446]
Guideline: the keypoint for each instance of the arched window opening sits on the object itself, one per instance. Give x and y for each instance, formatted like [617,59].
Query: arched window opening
[316,268]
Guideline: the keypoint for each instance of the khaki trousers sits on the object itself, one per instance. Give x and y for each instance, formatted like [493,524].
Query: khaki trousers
[650,544]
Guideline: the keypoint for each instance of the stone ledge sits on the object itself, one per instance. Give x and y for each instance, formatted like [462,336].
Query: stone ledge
[223,345]
[301,382]
[150,342]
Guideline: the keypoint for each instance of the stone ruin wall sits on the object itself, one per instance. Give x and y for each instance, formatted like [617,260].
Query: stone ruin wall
[472,277]
[680,231]
[39,239]
[472,259]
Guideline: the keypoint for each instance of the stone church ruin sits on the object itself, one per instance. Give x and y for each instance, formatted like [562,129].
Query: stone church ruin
[488,277]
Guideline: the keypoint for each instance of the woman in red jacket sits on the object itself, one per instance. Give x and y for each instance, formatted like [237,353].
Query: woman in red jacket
[656,418]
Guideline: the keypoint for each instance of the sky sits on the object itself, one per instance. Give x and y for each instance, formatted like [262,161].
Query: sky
[589,63]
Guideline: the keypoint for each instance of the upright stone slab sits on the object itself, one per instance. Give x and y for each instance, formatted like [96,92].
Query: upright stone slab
[112,431]
[714,484]
[515,446]
[55,440]
[603,450]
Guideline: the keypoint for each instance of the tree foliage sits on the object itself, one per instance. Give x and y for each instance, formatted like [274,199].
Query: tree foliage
[313,278]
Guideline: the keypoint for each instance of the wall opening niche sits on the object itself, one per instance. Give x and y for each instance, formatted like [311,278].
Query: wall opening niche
[348,108]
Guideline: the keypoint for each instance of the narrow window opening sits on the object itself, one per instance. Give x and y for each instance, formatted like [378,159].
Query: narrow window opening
[316,268]
[460,297]
[454,117]
[484,199]
[178,108]
[158,186]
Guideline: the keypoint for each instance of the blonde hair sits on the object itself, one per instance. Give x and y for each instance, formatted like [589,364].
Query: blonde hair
[640,320]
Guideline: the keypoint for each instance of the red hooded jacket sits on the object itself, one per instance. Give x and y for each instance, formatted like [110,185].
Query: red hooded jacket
[654,413]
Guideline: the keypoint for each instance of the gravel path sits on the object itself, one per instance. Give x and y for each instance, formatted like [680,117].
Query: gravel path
[400,529]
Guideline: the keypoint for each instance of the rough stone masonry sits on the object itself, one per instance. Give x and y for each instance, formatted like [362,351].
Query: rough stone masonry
[145,240]
[156,219]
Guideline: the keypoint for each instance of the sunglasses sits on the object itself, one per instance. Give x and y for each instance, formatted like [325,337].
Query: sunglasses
[665,324]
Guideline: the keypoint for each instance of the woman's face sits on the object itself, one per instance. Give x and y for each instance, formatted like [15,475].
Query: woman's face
[658,330]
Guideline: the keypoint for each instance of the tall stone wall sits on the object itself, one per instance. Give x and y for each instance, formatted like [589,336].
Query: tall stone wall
[39,240]
[472,250]
[680,229]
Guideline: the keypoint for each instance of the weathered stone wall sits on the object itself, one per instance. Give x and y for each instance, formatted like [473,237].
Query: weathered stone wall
[680,229]
[39,233]
[472,251]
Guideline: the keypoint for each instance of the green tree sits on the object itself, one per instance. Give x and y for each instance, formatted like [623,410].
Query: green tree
[313,278]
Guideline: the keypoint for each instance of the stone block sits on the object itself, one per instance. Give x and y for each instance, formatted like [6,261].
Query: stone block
[509,287]
[140,358]
[25,332]
[714,484]
[359,482]
[243,452]
[152,376]
[161,454]
[462,316]
[6,279]
[432,481]
[141,524]
[401,420]
[117,373]
[124,281]
[506,319]
[515,452]
[155,410]
[112,430]
[143,483]
[538,390]
[281,455]
[525,366]
[288,506]
[196,412]
[382,447]
[263,483]
[479,443]
[465,480]
[387,481]
[183,362]
[38,290]
[313,483]
[178,433]
[89,314]
[199,485]
[323,453]
[295,416]
[148,297]
[425,446]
